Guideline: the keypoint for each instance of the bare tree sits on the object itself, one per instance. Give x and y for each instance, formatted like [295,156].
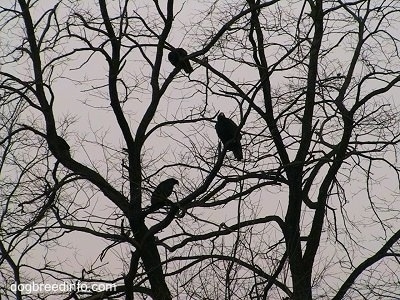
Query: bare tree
[94,117]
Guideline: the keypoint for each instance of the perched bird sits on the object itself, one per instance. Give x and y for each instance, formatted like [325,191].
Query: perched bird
[178,58]
[162,192]
[229,135]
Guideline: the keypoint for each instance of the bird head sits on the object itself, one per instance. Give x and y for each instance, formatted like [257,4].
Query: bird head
[221,116]
[182,52]
[173,181]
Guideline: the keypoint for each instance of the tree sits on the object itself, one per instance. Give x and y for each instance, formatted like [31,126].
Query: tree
[94,117]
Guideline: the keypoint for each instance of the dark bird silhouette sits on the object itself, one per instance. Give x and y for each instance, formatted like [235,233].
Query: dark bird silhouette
[178,58]
[162,192]
[229,135]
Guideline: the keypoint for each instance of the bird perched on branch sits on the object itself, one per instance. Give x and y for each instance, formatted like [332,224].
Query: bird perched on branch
[162,192]
[178,58]
[230,136]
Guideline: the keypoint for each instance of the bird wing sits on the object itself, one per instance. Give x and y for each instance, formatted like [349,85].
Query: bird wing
[163,191]
[227,130]
[222,131]
[232,127]
[237,150]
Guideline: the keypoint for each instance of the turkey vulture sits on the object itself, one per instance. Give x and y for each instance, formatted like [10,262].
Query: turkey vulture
[162,192]
[229,135]
[177,57]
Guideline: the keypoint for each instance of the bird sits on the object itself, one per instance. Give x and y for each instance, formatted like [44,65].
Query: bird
[230,136]
[178,58]
[160,195]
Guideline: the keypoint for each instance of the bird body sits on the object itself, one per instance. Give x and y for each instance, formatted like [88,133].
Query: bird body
[178,58]
[162,192]
[228,133]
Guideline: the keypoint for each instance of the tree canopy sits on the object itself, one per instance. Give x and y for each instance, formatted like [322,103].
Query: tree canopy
[94,117]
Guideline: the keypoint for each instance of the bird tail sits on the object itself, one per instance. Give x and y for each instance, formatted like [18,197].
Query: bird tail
[237,151]
[187,67]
